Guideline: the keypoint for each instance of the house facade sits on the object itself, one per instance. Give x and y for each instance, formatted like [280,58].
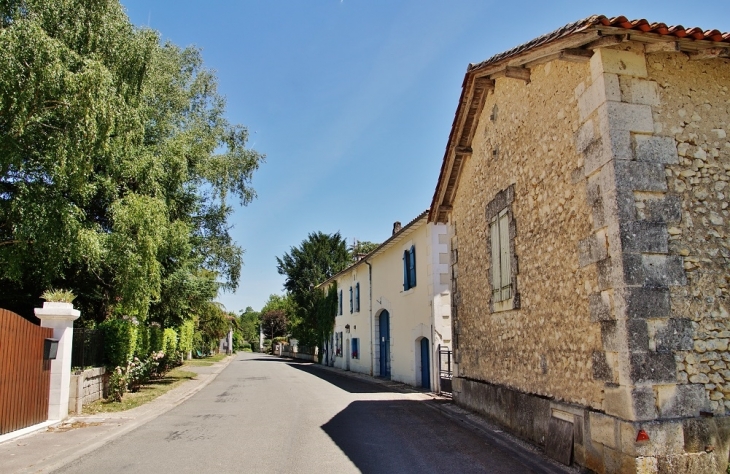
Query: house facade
[585,185]
[394,307]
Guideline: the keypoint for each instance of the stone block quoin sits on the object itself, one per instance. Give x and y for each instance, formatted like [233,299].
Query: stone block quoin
[624,170]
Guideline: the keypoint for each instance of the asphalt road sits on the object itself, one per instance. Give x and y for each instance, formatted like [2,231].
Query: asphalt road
[267,415]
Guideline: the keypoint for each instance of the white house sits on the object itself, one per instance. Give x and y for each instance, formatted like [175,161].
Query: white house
[394,307]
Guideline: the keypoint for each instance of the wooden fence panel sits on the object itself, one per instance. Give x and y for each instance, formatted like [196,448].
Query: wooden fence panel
[25,378]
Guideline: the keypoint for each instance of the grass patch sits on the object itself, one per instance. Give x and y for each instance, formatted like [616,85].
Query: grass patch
[146,394]
[206,361]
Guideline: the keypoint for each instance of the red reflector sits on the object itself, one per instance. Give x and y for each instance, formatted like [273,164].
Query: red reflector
[642,436]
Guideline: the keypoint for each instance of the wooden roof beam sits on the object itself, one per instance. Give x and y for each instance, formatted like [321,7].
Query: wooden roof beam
[604,41]
[514,72]
[576,55]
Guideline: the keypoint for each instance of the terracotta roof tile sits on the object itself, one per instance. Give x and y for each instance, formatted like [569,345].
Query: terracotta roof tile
[640,24]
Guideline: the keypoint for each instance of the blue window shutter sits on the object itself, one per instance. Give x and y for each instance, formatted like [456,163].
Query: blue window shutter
[357,297]
[405,271]
[351,300]
[340,302]
[413,266]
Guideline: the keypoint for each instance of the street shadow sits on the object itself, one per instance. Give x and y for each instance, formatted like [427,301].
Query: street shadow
[407,436]
[347,384]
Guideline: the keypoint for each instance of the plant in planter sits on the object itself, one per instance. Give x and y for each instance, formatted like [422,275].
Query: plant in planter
[58,296]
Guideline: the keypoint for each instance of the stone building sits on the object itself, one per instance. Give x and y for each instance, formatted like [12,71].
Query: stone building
[394,307]
[585,181]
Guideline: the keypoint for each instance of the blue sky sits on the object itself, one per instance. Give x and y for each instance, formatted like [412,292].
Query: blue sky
[352,101]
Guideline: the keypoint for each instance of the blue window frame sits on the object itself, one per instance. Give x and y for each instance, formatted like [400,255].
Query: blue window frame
[357,297]
[409,268]
[351,302]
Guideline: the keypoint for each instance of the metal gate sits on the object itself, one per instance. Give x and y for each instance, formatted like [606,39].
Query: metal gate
[25,378]
[445,374]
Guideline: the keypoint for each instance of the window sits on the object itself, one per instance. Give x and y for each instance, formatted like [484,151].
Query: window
[338,344]
[357,297]
[409,268]
[351,302]
[355,348]
[502,273]
[339,303]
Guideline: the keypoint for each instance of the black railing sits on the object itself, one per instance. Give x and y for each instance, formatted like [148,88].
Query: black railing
[445,373]
[87,349]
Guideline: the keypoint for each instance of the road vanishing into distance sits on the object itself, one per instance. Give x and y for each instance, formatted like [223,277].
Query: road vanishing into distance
[264,414]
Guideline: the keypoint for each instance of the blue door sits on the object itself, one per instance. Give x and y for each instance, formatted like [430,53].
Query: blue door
[384,344]
[425,364]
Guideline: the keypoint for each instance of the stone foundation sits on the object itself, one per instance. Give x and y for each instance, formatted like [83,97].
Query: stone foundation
[603,443]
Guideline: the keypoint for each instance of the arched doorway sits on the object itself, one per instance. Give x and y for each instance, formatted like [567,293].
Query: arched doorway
[425,363]
[384,341]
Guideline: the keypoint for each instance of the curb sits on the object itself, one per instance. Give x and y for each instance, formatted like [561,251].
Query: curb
[134,424]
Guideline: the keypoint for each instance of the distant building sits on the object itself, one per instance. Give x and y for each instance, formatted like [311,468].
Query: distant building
[394,307]
[585,183]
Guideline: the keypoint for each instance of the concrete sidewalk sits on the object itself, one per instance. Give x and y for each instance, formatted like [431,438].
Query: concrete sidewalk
[58,445]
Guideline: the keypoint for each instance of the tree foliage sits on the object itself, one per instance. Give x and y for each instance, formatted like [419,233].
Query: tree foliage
[317,258]
[117,165]
[249,321]
[364,247]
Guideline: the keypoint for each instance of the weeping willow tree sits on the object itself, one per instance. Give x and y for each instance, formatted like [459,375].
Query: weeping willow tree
[117,165]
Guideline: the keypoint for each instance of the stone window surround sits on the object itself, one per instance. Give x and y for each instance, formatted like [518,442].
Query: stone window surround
[503,200]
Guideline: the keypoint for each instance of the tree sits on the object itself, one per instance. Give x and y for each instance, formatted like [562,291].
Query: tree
[249,322]
[274,323]
[116,165]
[316,259]
[360,248]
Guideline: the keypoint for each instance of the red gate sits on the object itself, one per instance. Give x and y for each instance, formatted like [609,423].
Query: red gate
[25,378]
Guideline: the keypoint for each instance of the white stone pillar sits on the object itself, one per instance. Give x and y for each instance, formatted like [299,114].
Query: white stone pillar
[60,317]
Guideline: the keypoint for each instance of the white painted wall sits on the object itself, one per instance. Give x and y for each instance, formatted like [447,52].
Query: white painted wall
[422,311]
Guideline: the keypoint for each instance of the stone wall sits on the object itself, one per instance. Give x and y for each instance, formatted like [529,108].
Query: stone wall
[693,108]
[87,386]
[525,138]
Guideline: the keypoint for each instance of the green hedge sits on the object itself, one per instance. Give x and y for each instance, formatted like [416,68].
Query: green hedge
[156,339]
[185,342]
[143,342]
[169,341]
[120,341]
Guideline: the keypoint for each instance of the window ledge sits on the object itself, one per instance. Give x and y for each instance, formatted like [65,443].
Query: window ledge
[505,305]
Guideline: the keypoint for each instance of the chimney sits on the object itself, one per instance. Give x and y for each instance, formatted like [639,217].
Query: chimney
[396,227]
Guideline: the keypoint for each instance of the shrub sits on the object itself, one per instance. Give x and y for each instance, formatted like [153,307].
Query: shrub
[120,341]
[185,343]
[117,384]
[156,337]
[169,342]
[143,342]
[245,346]
[58,296]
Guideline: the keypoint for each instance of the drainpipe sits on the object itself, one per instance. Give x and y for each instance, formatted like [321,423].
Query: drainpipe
[372,336]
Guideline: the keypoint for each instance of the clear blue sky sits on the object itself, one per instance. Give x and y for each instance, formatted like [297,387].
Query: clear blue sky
[352,100]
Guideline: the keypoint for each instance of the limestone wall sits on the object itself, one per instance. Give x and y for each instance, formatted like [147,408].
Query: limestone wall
[525,137]
[694,108]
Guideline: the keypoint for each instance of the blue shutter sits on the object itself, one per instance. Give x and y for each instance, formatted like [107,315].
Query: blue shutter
[413,266]
[405,270]
[351,300]
[355,349]
[340,303]
[357,297]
